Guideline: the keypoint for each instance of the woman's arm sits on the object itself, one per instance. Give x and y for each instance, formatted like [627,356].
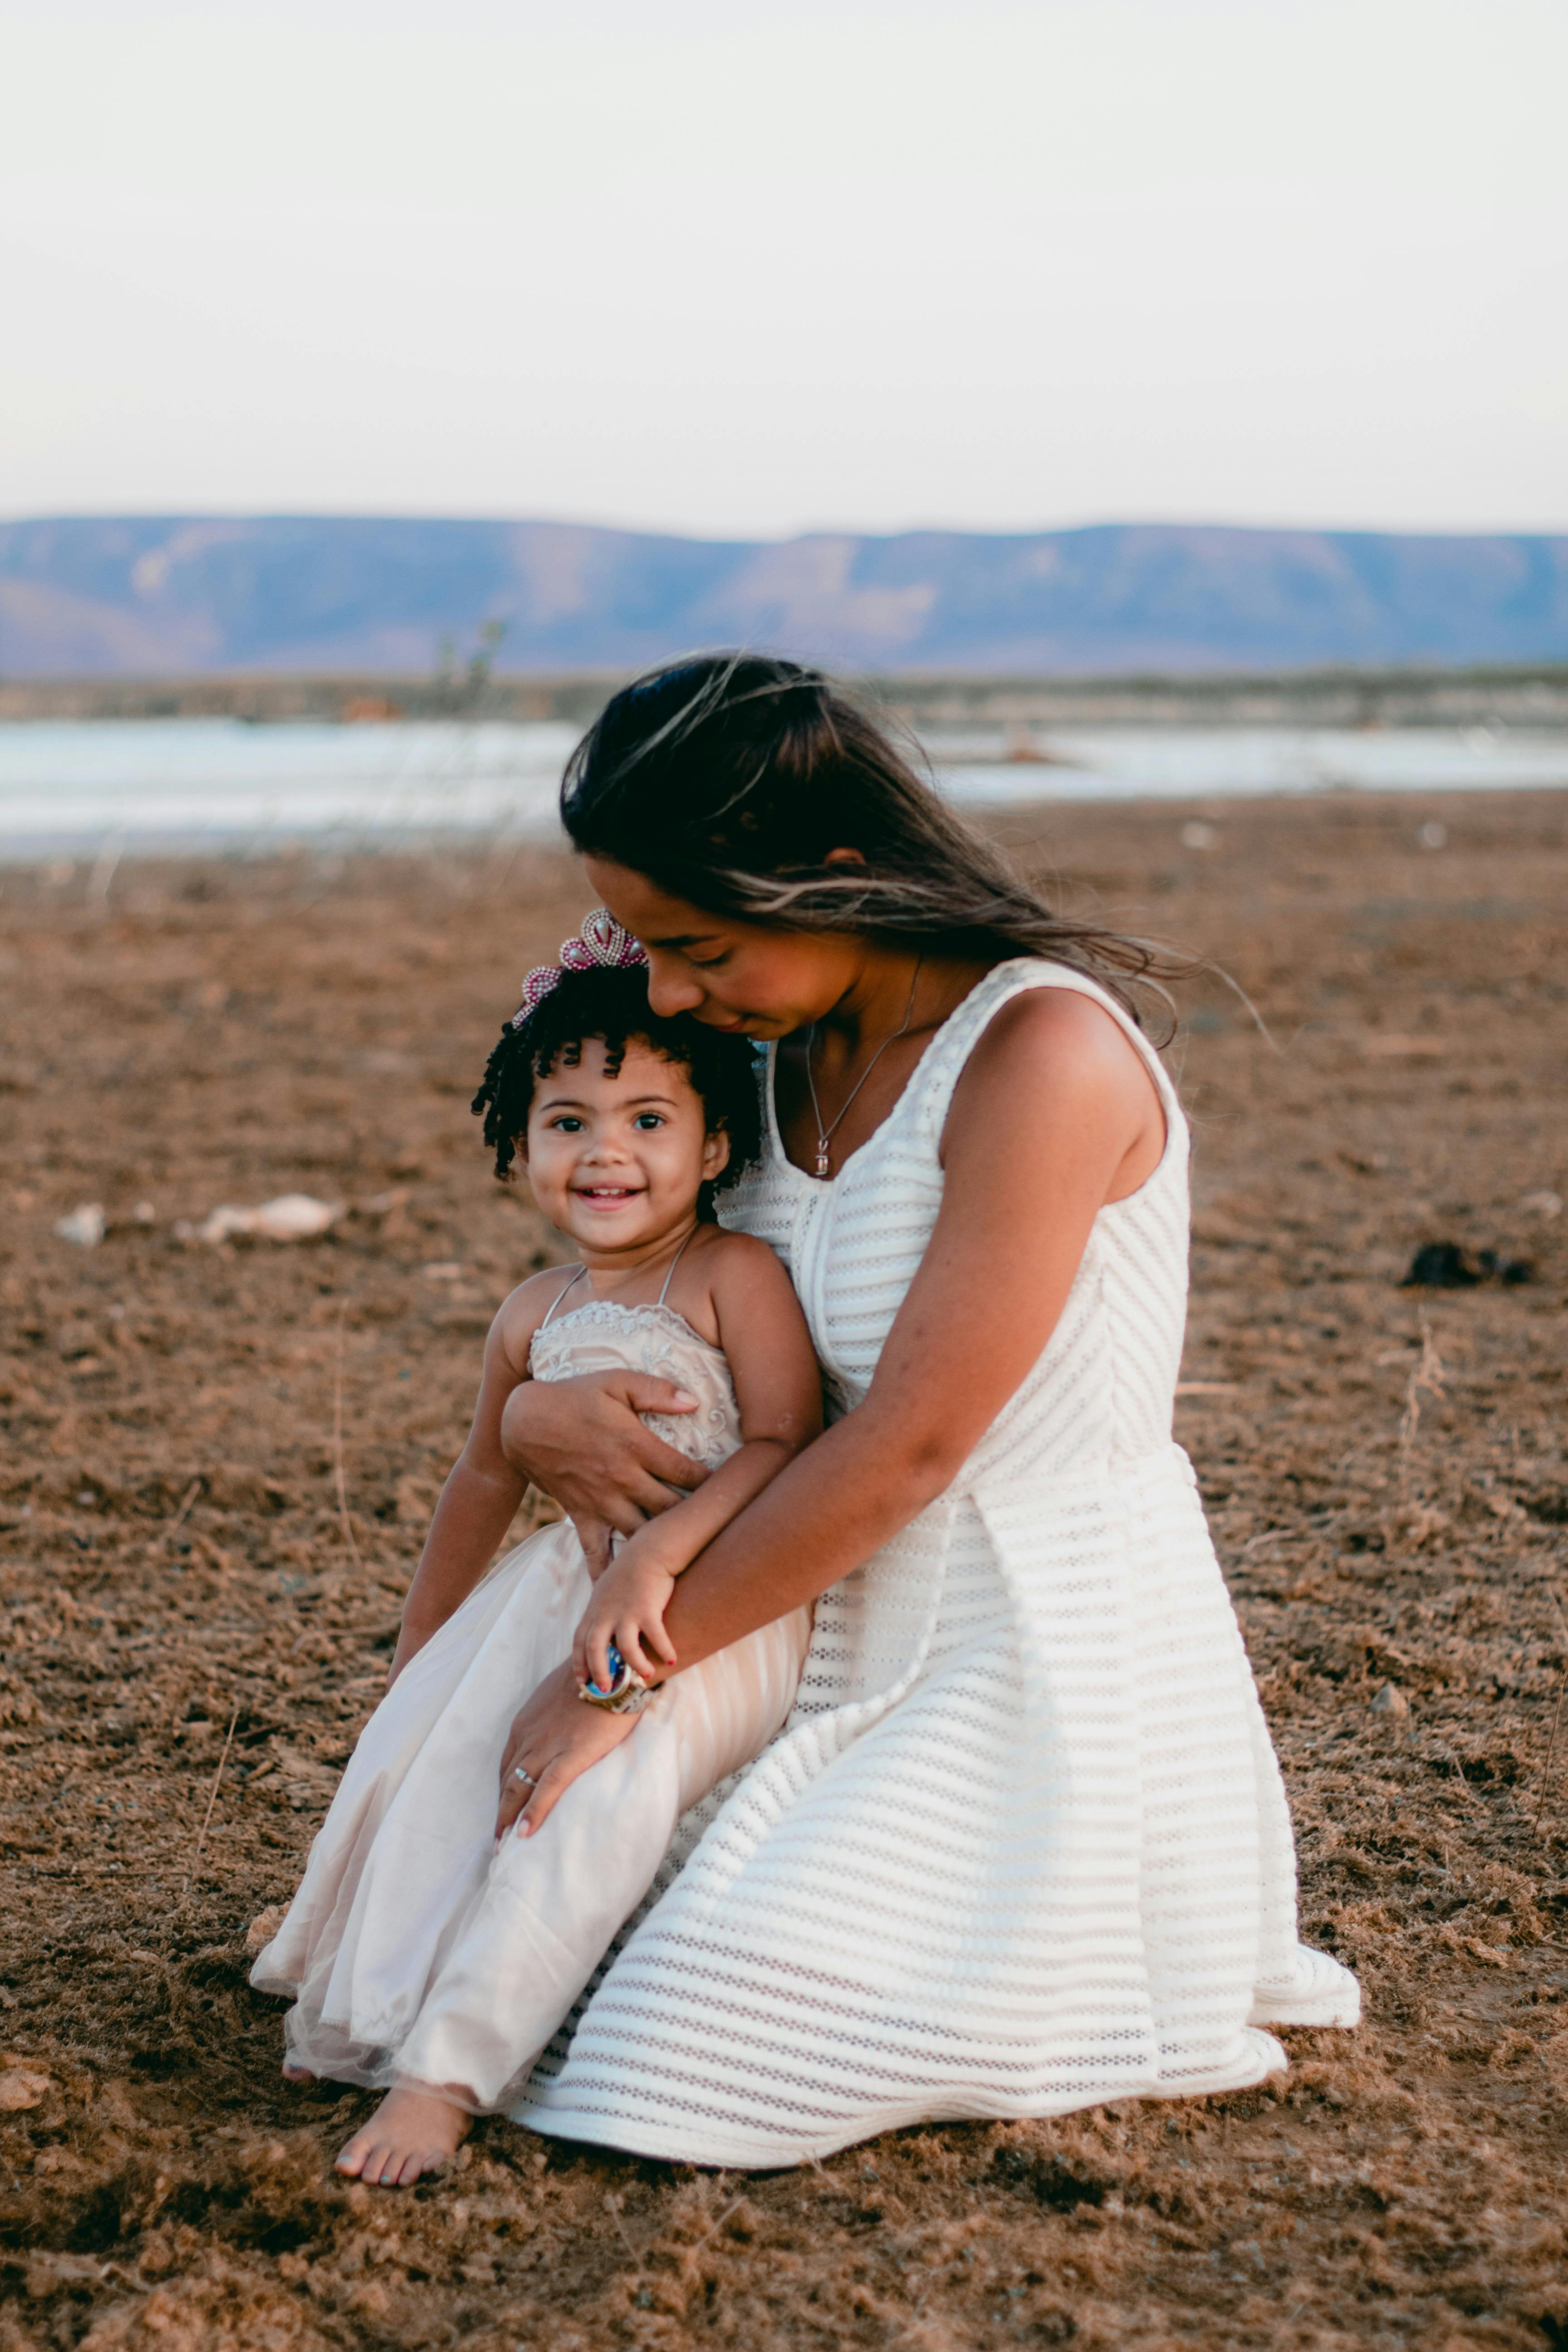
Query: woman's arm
[778,1388]
[584,1442]
[1054,1115]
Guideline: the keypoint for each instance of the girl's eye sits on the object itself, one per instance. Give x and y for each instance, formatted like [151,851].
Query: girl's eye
[646,1119]
[564,1123]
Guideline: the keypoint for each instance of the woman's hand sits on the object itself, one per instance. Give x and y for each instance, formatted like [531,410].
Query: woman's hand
[627,1608]
[556,1738]
[581,1440]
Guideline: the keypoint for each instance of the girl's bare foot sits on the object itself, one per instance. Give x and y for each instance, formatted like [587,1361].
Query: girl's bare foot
[411,2132]
[292,2073]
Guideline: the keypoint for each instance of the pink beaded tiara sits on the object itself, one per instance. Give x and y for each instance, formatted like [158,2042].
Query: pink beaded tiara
[602,942]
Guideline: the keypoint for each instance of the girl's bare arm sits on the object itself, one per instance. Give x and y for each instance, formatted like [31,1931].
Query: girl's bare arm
[483,1489]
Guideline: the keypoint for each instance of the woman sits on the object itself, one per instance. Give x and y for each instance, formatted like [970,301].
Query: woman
[1023,1844]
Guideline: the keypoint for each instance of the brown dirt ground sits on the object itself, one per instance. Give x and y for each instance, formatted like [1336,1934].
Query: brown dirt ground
[175,1561]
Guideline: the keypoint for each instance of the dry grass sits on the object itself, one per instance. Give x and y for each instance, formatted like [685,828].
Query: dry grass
[217,1468]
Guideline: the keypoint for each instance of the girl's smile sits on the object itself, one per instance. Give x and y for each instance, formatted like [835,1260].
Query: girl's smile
[616,1151]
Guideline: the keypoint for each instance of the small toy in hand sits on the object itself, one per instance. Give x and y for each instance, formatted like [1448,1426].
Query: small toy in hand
[628,1693]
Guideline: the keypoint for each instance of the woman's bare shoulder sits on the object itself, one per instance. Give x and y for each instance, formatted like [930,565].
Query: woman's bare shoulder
[1050,1053]
[1059,1032]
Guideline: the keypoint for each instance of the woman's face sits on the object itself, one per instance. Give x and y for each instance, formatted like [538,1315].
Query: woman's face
[728,974]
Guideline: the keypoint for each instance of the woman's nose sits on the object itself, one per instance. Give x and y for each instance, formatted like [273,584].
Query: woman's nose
[671,991]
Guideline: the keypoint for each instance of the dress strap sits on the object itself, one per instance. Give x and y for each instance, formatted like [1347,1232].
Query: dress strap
[560,1293]
[674,1262]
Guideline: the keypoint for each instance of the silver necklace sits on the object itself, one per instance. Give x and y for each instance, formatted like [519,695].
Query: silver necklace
[824,1135]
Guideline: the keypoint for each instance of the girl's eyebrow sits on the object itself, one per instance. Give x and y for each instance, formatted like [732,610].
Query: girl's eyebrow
[576,1102]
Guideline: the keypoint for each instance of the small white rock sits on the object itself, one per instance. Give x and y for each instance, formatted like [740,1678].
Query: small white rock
[220,1224]
[292,1217]
[1541,1204]
[296,1217]
[84,1225]
[1391,1700]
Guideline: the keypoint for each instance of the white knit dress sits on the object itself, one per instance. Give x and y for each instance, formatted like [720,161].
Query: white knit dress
[1023,1845]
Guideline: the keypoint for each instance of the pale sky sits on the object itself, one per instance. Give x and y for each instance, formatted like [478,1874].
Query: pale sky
[738,267]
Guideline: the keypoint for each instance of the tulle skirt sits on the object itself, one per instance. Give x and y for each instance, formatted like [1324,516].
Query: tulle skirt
[418,1950]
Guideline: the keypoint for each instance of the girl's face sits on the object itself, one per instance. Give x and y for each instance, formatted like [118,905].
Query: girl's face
[616,1160]
[728,974]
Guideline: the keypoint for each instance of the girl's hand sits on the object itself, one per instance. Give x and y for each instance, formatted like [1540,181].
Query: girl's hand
[627,1608]
[555,1738]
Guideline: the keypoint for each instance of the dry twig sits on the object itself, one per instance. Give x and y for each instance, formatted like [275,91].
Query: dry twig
[1426,1378]
[211,1799]
[699,2243]
[338,1478]
[186,1499]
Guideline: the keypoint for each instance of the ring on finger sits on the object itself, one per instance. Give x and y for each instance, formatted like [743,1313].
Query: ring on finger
[526,1777]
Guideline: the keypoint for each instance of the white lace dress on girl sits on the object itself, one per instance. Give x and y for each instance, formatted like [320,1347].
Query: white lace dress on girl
[1024,1845]
[417,1952]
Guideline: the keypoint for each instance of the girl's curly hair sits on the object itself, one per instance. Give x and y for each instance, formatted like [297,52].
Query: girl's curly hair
[612,1005]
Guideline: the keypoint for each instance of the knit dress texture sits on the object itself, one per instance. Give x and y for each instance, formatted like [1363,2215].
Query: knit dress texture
[1022,1845]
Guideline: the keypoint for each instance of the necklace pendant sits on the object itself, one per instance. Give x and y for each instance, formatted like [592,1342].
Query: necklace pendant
[821,1160]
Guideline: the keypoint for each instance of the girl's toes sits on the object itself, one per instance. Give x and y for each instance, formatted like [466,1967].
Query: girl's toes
[292,2073]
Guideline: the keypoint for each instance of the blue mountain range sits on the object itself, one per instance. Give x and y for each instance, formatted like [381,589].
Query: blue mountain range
[177,595]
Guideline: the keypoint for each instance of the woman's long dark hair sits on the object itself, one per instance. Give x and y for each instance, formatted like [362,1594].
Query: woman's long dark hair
[728,778]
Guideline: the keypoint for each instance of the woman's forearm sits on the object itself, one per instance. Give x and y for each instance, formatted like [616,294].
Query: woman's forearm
[838,1503]
[674,1540]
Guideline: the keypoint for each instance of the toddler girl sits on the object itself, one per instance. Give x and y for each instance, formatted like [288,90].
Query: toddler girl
[442,1933]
